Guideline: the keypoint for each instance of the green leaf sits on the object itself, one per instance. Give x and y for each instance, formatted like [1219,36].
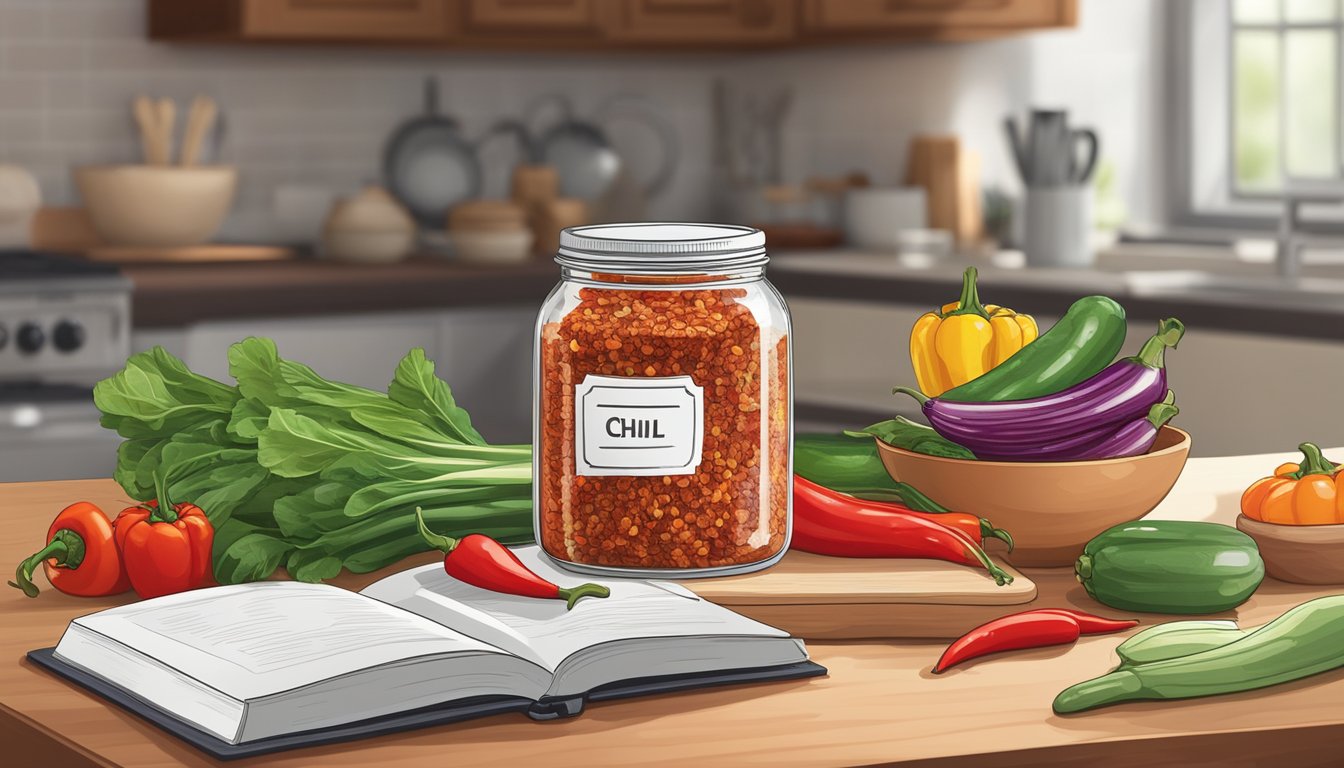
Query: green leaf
[251,557]
[155,395]
[307,565]
[415,386]
[904,433]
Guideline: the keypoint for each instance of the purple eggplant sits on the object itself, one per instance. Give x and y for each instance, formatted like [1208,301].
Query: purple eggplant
[1122,392]
[1110,442]
[1136,437]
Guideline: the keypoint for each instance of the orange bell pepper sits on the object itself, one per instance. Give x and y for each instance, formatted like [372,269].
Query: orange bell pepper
[1308,493]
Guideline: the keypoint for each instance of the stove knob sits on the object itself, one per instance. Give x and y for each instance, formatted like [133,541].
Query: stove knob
[68,336]
[29,338]
[4,337]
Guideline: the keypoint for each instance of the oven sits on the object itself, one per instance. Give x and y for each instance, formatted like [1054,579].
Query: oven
[64,324]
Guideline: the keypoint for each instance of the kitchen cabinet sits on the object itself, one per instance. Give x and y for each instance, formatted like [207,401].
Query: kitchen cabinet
[521,17]
[933,19]
[381,21]
[703,22]
[530,25]
[343,19]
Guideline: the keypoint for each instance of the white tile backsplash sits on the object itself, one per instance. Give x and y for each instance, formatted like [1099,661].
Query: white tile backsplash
[320,116]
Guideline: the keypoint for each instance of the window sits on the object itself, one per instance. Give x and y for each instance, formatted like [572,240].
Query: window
[1256,102]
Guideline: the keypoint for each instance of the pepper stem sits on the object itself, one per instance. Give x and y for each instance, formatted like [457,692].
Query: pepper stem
[920,397]
[572,595]
[1169,333]
[1313,462]
[969,304]
[988,531]
[164,512]
[66,546]
[444,544]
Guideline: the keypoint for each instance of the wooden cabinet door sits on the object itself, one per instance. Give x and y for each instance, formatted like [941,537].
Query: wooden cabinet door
[878,16]
[524,16]
[391,20]
[690,22]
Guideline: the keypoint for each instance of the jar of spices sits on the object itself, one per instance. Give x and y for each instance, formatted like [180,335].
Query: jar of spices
[663,422]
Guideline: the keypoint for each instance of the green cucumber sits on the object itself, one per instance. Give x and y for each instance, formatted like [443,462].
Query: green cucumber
[1171,566]
[1075,349]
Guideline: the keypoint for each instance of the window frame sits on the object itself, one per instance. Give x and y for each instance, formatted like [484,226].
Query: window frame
[1183,212]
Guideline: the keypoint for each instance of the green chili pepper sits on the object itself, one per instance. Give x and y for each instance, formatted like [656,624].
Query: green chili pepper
[1304,641]
[850,465]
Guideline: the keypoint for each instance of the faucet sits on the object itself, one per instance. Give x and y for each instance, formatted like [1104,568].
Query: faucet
[1288,257]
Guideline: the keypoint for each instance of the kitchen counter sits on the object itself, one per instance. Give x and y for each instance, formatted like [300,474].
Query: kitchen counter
[879,704]
[881,278]
[177,295]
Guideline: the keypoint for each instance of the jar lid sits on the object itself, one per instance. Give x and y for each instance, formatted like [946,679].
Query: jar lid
[661,248]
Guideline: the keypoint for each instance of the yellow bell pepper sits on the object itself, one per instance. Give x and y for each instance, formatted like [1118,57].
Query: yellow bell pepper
[965,339]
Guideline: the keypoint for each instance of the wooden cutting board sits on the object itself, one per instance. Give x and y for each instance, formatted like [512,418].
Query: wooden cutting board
[839,598]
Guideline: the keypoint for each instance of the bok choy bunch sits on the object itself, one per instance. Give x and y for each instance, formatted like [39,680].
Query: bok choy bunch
[311,474]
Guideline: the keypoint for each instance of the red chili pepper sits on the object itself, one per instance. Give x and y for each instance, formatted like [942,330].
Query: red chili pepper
[1089,624]
[828,523]
[81,556]
[483,562]
[1036,628]
[977,528]
[166,547]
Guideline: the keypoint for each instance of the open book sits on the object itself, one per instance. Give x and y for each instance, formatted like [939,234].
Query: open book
[256,661]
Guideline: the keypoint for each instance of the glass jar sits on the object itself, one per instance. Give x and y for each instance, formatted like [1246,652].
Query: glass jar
[663,412]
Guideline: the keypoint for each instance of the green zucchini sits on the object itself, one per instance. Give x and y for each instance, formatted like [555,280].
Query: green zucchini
[1302,642]
[1084,341]
[1175,639]
[1170,566]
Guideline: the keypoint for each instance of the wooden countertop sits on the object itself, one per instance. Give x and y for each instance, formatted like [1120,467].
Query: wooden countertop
[880,704]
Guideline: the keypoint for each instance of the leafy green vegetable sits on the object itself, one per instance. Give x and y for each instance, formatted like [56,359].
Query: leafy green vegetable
[297,470]
[904,433]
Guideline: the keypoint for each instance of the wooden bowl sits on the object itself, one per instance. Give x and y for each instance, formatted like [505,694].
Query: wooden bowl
[1301,554]
[1052,508]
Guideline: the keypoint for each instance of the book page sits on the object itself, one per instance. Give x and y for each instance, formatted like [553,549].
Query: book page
[542,631]
[253,640]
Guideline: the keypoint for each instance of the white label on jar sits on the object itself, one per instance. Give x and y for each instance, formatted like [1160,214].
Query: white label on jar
[638,426]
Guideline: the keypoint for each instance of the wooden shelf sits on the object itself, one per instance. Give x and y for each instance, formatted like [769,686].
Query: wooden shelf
[533,25]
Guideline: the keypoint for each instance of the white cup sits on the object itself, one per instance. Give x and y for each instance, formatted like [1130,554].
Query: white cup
[875,217]
[1058,227]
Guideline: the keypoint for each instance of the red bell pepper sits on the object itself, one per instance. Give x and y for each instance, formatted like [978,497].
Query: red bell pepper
[166,547]
[81,556]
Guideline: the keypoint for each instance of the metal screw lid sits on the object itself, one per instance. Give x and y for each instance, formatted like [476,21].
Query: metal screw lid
[661,248]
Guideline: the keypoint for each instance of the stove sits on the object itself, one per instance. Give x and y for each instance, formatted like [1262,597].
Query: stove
[65,323]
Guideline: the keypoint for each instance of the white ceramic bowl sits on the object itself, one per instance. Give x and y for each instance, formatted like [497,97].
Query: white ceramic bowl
[156,206]
[486,247]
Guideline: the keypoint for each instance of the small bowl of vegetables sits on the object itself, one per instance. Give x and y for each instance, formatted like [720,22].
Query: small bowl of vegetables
[1296,517]
[1052,508]
[1056,443]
